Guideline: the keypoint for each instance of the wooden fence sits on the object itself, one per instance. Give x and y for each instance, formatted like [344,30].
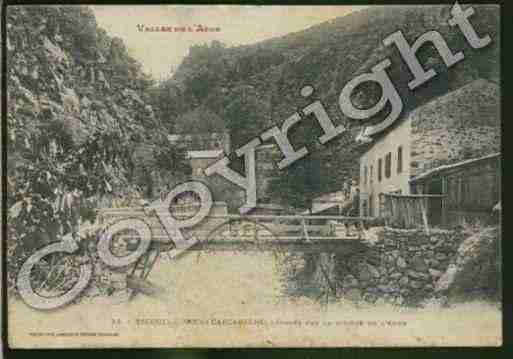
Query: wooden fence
[408,211]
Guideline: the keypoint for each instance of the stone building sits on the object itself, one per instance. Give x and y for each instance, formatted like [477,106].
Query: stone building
[203,149]
[461,125]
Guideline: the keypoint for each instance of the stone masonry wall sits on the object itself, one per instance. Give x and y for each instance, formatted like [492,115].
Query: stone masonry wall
[402,268]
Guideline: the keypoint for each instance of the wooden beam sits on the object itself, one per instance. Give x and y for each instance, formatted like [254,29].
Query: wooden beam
[444,201]
[423,208]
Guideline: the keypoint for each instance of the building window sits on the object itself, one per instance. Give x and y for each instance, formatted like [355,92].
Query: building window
[380,169]
[399,159]
[365,175]
[371,174]
[388,165]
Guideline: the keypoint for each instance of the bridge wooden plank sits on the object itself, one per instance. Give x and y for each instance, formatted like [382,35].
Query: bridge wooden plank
[334,246]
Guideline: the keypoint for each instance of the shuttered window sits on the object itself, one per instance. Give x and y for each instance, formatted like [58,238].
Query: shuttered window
[399,159]
[388,165]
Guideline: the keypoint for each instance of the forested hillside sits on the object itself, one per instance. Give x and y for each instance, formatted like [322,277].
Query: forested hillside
[250,87]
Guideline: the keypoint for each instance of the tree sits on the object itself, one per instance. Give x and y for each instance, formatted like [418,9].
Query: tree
[298,184]
[245,115]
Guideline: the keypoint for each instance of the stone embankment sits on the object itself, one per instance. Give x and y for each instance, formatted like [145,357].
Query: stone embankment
[403,266]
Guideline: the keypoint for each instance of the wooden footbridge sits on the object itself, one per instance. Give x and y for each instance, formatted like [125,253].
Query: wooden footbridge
[256,232]
[226,232]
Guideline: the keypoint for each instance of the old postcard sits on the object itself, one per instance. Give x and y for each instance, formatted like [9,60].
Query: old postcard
[253,176]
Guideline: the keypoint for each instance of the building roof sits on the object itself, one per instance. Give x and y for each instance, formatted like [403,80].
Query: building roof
[205,154]
[444,168]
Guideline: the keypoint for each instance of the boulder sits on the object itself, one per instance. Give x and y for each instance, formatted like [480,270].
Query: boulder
[54,52]
[367,272]
[415,284]
[441,256]
[475,272]
[403,281]
[70,101]
[395,275]
[435,273]
[401,263]
[418,264]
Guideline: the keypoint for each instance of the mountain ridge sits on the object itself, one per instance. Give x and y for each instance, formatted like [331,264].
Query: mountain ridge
[263,80]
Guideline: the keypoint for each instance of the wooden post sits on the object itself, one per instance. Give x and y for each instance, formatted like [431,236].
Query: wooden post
[423,208]
[444,201]
[411,212]
[404,211]
[458,198]
[393,207]
[388,211]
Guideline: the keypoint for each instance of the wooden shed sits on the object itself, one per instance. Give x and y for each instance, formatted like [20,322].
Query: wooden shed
[469,190]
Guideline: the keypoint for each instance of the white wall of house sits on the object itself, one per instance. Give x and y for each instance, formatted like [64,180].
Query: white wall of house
[370,185]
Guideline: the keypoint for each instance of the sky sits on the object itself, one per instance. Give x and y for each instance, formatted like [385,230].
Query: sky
[161,52]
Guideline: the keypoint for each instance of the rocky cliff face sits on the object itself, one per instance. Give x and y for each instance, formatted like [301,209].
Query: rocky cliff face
[77,111]
[475,271]
[62,68]
[75,94]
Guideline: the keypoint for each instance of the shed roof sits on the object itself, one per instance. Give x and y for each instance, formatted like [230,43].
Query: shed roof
[444,168]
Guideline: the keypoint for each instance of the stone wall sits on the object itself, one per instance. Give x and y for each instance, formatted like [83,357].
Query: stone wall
[402,267]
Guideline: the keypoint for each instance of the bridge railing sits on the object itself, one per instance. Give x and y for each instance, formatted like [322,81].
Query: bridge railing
[254,227]
[296,227]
